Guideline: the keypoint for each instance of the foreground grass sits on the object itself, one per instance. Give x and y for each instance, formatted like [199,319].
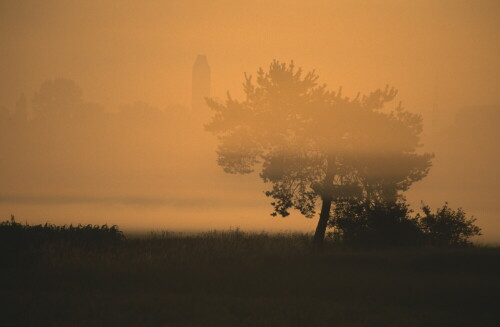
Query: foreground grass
[239,279]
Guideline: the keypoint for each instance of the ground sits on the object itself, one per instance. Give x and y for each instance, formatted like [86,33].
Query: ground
[238,279]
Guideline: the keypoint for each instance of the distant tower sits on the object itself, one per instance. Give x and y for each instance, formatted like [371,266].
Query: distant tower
[201,85]
[435,117]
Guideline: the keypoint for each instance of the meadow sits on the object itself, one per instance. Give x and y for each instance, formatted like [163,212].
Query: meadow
[95,276]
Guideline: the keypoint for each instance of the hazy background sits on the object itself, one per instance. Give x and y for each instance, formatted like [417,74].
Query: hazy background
[128,151]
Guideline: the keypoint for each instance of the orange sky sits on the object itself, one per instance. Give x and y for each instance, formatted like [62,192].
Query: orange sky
[441,55]
[125,51]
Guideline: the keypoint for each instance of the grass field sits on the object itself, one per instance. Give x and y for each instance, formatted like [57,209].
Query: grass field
[240,279]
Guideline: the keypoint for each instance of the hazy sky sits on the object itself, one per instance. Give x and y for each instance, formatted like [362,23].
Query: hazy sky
[124,51]
[441,55]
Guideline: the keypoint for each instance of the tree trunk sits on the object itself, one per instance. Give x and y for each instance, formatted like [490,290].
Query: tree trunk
[319,235]
[326,197]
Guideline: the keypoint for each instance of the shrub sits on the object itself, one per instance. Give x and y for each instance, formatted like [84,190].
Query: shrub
[20,236]
[375,224]
[390,224]
[447,226]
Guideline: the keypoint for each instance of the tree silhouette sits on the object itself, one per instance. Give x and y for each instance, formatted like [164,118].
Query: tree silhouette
[312,144]
[58,99]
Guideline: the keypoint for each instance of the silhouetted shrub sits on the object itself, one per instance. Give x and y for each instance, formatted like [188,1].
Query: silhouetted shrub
[376,223]
[390,224]
[447,226]
[16,238]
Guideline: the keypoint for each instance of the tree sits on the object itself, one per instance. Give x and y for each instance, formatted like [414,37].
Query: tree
[58,99]
[314,145]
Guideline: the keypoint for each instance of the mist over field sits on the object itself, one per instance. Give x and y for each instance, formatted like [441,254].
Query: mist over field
[102,108]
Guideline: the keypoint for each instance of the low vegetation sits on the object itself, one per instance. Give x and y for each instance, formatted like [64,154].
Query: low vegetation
[93,275]
[391,224]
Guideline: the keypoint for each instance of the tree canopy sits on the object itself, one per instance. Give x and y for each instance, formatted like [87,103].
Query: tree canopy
[312,144]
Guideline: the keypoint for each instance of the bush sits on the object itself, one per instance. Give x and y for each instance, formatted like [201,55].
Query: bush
[15,237]
[376,223]
[390,224]
[447,226]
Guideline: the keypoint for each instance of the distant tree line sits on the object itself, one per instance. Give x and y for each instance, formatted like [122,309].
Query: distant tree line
[63,137]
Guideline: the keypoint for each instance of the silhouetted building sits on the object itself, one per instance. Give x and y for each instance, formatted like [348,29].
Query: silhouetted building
[201,85]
